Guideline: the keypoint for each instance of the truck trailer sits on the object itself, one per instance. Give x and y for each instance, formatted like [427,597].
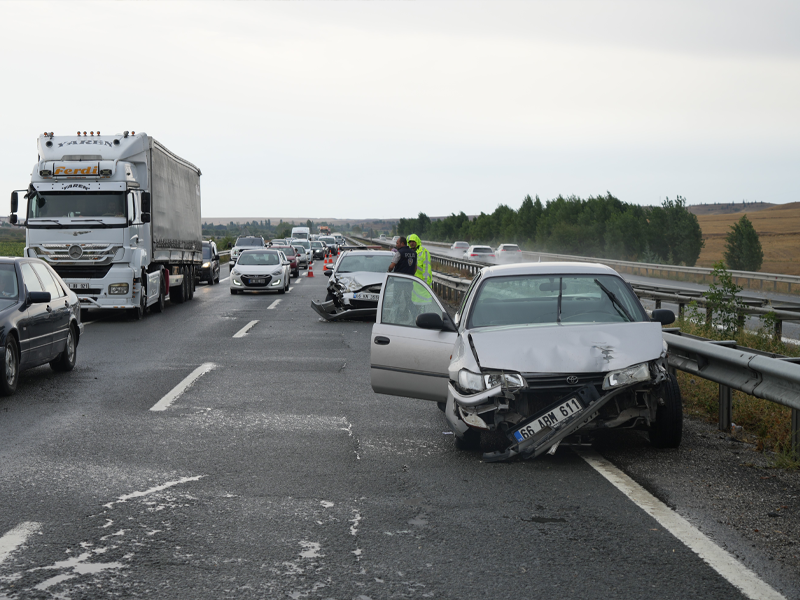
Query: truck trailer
[117,217]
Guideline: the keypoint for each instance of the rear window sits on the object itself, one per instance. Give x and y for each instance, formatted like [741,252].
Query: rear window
[288,251]
[482,250]
[511,247]
[250,241]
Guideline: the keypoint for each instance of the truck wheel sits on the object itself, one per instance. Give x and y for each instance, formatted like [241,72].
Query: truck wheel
[159,305]
[192,282]
[177,294]
[10,378]
[137,313]
[667,430]
[66,360]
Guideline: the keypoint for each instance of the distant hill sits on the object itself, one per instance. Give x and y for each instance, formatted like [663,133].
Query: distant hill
[728,208]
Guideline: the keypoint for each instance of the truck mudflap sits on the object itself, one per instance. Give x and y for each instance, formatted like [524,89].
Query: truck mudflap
[330,312]
[544,432]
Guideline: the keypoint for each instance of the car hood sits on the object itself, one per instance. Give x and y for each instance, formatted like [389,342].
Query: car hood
[257,269]
[591,348]
[359,279]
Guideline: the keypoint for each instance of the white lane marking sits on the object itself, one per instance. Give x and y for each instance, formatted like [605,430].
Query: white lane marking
[226,279]
[243,331]
[718,559]
[152,490]
[165,402]
[291,287]
[298,280]
[273,305]
[16,537]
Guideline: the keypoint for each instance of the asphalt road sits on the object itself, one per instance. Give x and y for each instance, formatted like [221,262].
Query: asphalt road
[279,474]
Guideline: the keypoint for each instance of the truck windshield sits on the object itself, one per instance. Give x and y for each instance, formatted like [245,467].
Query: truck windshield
[53,205]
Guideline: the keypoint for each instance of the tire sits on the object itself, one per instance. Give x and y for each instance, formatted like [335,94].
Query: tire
[162,296]
[137,314]
[296,273]
[190,271]
[215,279]
[667,431]
[10,378]
[178,293]
[493,441]
[66,360]
[441,406]
[470,441]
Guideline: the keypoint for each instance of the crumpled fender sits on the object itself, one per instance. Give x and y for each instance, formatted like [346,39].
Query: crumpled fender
[330,312]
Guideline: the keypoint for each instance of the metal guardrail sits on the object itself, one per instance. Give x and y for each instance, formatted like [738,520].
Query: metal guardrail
[773,377]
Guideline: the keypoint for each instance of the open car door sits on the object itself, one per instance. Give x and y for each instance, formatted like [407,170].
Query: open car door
[405,359]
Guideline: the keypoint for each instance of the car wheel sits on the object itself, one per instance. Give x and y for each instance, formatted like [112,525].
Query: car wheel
[192,281]
[667,430]
[162,296]
[441,406]
[215,279]
[66,360]
[493,441]
[8,383]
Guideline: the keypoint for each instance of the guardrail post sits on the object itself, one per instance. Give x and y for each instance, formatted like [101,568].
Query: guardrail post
[796,432]
[658,304]
[778,330]
[709,316]
[681,308]
[725,417]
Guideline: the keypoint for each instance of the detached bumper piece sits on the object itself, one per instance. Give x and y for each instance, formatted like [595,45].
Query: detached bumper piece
[330,312]
[546,430]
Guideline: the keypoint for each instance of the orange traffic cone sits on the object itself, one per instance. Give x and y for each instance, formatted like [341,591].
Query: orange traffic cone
[310,269]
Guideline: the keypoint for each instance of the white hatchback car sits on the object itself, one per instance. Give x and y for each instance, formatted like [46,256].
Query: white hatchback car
[479,253]
[261,270]
[537,353]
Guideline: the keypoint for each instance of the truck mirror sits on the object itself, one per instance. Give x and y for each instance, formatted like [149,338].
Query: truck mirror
[12,219]
[14,202]
[145,217]
[145,204]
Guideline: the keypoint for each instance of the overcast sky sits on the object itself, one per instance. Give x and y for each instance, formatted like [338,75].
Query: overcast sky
[385,109]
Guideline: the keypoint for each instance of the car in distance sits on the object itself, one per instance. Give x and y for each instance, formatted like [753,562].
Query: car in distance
[306,247]
[509,252]
[331,243]
[459,246]
[279,242]
[40,320]
[302,256]
[355,285]
[246,242]
[537,353]
[291,256]
[479,253]
[261,270]
[209,271]
[318,250]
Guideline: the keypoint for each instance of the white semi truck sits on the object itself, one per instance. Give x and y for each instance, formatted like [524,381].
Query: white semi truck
[117,217]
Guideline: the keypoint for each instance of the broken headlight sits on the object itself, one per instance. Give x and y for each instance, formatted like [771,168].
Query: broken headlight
[510,381]
[470,382]
[634,374]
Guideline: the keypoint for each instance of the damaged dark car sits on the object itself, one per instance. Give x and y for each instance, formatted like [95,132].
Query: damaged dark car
[354,286]
[537,354]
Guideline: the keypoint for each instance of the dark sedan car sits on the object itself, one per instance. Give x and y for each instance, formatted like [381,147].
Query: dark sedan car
[40,320]
[210,270]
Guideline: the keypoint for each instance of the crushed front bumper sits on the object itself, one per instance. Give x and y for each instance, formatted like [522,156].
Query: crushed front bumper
[330,312]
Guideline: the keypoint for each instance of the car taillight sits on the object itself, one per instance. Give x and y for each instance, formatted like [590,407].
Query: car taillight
[473,255]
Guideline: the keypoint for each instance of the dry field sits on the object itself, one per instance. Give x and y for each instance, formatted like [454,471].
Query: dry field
[778,229]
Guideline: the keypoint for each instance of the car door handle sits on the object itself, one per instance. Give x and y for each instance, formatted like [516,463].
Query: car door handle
[382,341]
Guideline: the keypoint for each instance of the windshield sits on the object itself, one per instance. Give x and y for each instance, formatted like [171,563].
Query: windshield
[259,258]
[372,263]
[249,241]
[287,250]
[327,240]
[549,300]
[9,290]
[54,205]
[305,244]
[206,252]
[316,244]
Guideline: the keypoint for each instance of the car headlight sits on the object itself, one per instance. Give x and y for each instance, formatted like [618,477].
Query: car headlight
[634,374]
[470,382]
[206,265]
[507,380]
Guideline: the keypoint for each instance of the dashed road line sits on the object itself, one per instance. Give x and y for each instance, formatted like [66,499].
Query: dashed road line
[152,490]
[274,304]
[243,331]
[16,537]
[226,279]
[167,400]
[718,559]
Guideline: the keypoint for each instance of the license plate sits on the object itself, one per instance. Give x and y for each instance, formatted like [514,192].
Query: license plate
[365,296]
[78,286]
[559,413]
[256,281]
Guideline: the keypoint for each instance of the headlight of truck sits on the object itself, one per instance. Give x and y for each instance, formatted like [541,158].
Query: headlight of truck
[511,381]
[470,382]
[634,374]
[118,289]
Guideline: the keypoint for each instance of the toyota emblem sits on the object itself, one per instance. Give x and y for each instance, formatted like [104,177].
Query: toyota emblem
[572,380]
[75,252]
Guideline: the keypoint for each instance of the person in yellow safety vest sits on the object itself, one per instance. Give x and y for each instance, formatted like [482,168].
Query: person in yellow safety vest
[419,296]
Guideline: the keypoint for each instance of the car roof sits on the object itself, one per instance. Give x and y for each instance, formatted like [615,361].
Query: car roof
[480,246]
[368,252]
[259,250]
[548,268]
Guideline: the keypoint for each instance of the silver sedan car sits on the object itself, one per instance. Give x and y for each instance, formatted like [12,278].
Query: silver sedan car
[537,353]
[261,270]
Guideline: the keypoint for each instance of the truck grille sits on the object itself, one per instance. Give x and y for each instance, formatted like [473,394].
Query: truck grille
[81,272]
[77,254]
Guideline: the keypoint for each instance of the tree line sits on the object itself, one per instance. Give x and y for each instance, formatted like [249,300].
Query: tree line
[598,226]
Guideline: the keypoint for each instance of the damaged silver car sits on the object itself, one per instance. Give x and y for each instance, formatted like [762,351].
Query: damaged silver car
[354,286]
[537,353]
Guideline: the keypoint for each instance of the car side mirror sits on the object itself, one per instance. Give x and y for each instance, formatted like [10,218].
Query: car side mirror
[145,203]
[663,316]
[12,219]
[216,257]
[14,202]
[39,297]
[145,217]
[327,272]
[430,321]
